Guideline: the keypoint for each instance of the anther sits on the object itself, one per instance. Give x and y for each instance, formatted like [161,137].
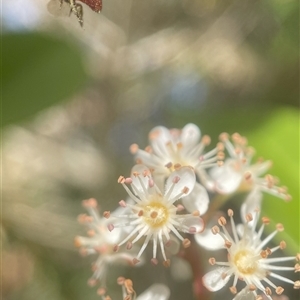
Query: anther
[128,180]
[120,280]
[146,173]
[224,136]
[135,261]
[227,244]
[233,290]
[177,166]
[269,180]
[252,287]
[279,290]
[212,261]
[128,245]
[121,179]
[167,263]
[91,232]
[186,243]
[90,203]
[134,148]
[77,242]
[106,214]
[220,155]
[138,161]
[116,248]
[135,174]
[151,183]
[110,227]
[297,285]
[196,213]
[264,254]
[206,140]
[223,275]
[148,149]
[215,230]
[282,245]
[220,147]
[298,257]
[268,291]
[222,221]
[169,165]
[265,220]
[185,190]
[122,203]
[154,261]
[153,214]
[259,297]
[179,146]
[140,213]
[180,207]
[176,179]
[279,227]
[92,282]
[101,291]
[230,212]
[297,268]
[249,217]
[247,175]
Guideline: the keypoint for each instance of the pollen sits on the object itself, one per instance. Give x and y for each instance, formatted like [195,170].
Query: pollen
[155,214]
[245,262]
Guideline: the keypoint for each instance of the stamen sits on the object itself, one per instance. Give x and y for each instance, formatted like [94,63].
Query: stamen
[186,243]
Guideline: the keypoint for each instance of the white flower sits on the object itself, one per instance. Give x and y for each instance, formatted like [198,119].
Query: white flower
[238,172]
[154,214]
[248,261]
[99,241]
[155,292]
[171,149]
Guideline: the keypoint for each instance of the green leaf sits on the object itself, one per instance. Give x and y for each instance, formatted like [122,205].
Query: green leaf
[278,140]
[38,71]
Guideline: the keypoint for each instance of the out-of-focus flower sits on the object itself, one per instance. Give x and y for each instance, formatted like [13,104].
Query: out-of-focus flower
[239,173]
[171,149]
[156,291]
[99,241]
[154,214]
[248,261]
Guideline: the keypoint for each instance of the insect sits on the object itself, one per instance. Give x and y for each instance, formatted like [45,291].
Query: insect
[77,10]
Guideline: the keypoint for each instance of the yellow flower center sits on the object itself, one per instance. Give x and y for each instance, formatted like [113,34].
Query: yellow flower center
[245,262]
[155,214]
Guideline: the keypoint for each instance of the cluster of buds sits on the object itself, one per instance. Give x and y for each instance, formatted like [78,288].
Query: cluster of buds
[171,193]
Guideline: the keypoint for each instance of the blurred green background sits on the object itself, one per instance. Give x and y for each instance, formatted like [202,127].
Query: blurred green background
[75,99]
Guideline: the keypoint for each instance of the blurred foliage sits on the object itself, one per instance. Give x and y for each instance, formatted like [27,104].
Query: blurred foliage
[39,71]
[277,139]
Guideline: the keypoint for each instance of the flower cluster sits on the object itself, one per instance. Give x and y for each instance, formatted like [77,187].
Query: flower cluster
[174,192]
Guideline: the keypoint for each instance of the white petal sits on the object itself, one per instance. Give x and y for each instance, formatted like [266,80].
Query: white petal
[187,180]
[159,137]
[197,200]
[136,180]
[213,280]
[227,179]
[190,136]
[196,222]
[260,168]
[155,292]
[180,269]
[251,204]
[209,241]
[244,294]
